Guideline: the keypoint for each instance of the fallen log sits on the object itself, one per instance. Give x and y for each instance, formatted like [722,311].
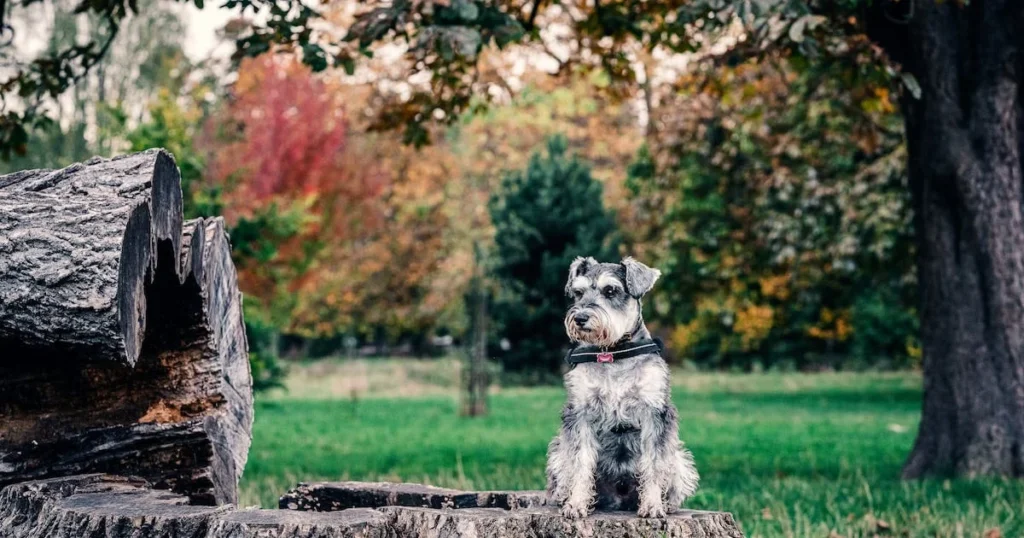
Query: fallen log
[76,246]
[122,346]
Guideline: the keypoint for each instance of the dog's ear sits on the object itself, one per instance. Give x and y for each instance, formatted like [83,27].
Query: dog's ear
[578,267]
[639,278]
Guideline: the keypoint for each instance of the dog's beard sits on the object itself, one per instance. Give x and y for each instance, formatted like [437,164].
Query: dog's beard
[603,328]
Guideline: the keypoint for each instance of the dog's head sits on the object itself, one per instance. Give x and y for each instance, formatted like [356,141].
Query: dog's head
[606,299]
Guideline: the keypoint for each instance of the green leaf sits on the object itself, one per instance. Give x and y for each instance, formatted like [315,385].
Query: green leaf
[314,56]
[348,64]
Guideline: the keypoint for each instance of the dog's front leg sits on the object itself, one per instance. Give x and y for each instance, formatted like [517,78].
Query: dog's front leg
[651,467]
[573,465]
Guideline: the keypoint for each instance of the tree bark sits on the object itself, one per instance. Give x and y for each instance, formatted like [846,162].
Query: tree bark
[161,392]
[965,177]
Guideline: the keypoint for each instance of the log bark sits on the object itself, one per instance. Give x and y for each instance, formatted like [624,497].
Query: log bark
[119,508]
[75,395]
[965,172]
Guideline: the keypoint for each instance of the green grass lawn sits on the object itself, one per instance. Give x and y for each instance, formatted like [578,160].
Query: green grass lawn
[787,454]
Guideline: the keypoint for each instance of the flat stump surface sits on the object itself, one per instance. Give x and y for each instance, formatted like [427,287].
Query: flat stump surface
[115,507]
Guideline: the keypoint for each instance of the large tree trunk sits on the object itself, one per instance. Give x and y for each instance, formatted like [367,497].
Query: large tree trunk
[965,173]
[122,347]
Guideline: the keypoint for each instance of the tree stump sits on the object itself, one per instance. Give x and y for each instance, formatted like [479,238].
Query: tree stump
[120,508]
[430,512]
[123,346]
[98,505]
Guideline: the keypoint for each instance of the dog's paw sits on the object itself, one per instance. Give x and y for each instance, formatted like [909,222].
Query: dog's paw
[651,510]
[572,510]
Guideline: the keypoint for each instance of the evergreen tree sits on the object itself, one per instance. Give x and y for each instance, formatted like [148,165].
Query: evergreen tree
[545,216]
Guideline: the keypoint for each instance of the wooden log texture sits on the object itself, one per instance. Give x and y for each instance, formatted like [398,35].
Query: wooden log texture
[76,246]
[355,523]
[100,506]
[330,496]
[122,345]
[118,508]
[547,522]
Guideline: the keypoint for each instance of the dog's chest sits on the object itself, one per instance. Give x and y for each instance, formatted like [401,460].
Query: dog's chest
[617,393]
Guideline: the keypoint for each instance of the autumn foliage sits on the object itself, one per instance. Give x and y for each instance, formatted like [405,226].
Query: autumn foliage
[776,203]
[286,185]
[739,188]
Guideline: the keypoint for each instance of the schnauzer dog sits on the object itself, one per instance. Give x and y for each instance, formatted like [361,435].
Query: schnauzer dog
[618,447]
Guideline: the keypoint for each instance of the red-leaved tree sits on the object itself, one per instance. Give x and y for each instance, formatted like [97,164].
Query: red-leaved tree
[277,166]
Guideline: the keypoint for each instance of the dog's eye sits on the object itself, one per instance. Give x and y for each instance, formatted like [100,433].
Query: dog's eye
[577,293]
[610,291]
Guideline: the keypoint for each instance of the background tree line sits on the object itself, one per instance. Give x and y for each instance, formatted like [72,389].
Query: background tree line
[773,197]
[955,67]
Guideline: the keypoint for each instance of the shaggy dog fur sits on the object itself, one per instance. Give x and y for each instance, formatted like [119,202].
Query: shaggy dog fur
[618,447]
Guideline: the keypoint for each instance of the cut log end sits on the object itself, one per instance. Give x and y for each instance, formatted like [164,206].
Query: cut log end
[134,267]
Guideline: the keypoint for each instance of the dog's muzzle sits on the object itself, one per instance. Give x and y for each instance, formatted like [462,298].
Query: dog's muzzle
[581,318]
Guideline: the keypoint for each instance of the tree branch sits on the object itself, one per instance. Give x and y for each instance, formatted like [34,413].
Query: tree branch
[533,15]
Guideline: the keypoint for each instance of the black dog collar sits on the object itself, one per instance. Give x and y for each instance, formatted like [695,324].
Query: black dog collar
[626,350]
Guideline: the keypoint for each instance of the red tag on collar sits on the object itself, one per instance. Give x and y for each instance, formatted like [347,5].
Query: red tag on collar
[605,357]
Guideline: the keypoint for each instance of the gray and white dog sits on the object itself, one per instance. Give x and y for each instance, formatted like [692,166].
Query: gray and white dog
[618,447]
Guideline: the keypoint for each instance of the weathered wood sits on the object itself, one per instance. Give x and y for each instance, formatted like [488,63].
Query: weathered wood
[355,523]
[74,396]
[512,500]
[330,496]
[548,523]
[119,508]
[76,246]
[97,505]
[115,507]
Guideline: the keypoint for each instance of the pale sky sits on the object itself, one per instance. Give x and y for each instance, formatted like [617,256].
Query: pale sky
[202,24]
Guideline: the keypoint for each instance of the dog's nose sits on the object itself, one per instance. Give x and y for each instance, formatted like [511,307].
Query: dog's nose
[581,318]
